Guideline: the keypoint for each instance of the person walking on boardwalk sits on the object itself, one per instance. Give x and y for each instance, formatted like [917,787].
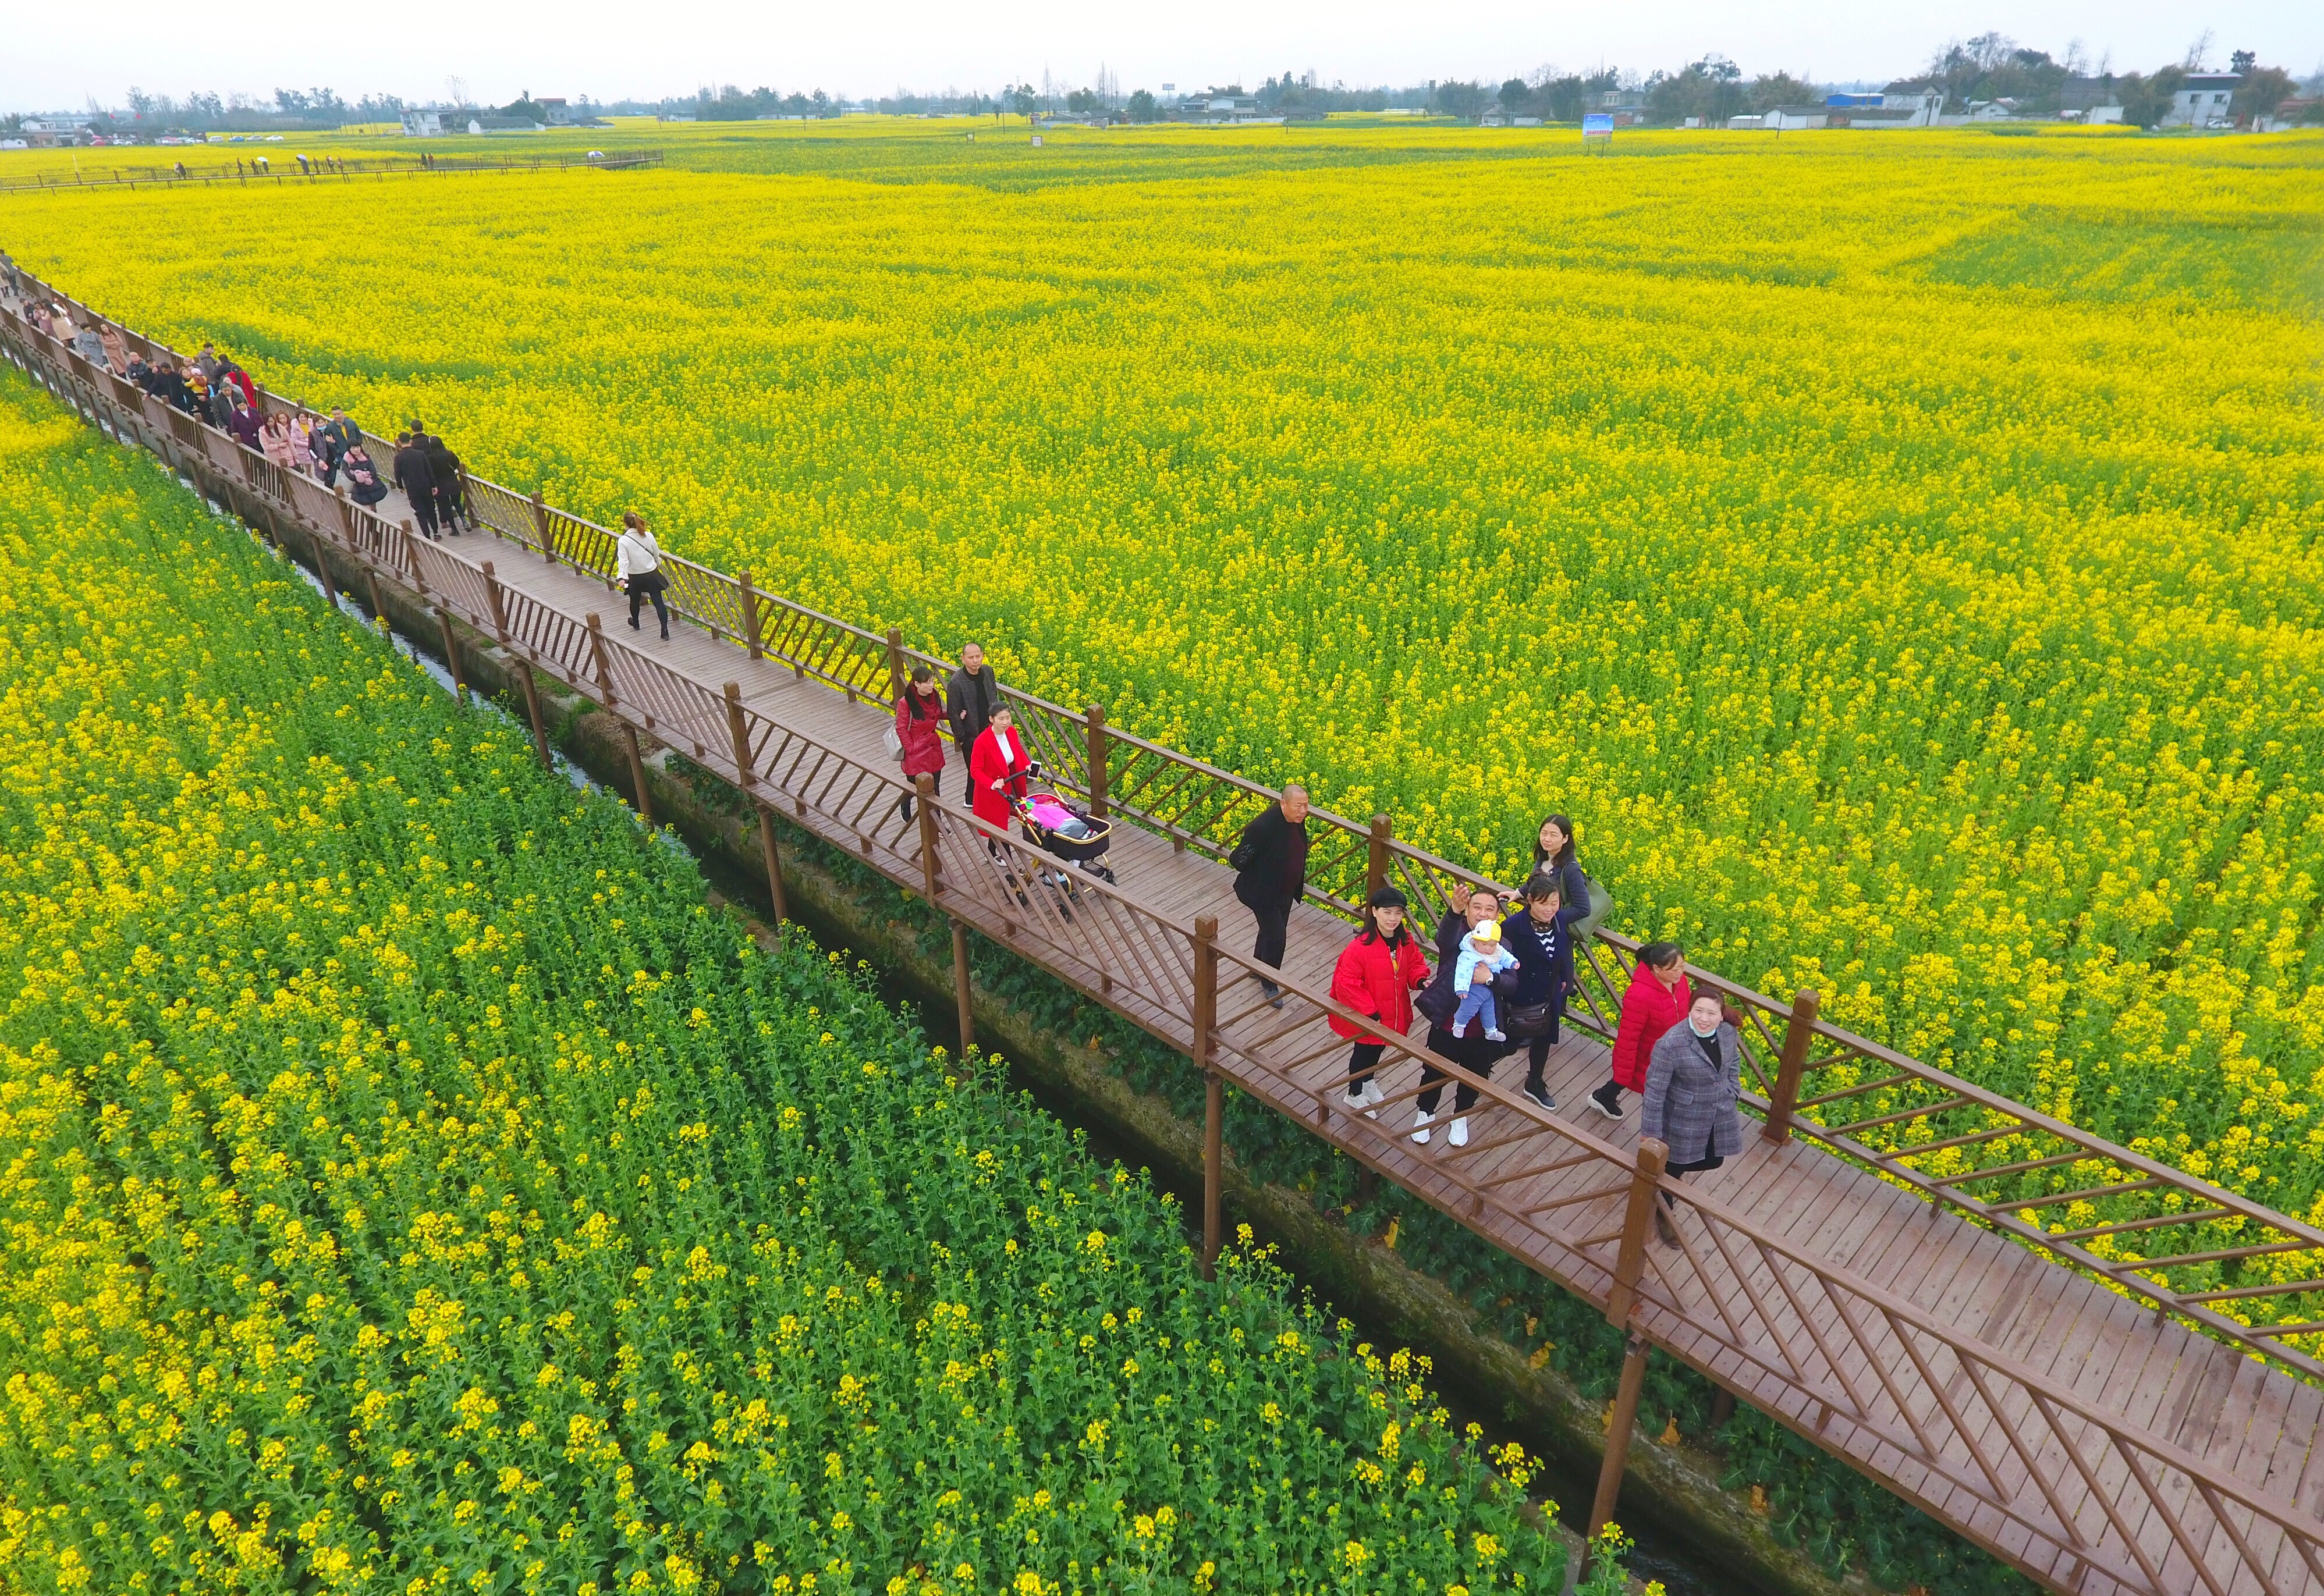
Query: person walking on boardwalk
[1536,934]
[998,772]
[1693,1081]
[1379,971]
[418,481]
[117,349]
[919,713]
[274,442]
[972,698]
[1553,855]
[642,577]
[364,485]
[1467,1046]
[451,500]
[208,362]
[1657,999]
[332,441]
[1270,864]
[243,423]
[87,344]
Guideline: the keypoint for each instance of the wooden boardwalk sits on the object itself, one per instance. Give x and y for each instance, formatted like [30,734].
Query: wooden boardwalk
[1874,1271]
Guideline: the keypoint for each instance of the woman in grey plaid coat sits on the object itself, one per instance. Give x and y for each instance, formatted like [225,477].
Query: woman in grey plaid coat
[1692,1079]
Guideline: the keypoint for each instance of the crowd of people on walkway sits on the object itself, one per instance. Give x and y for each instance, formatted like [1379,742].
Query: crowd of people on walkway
[1503,966]
[214,388]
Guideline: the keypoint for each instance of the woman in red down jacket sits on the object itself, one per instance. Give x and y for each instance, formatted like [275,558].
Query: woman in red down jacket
[1379,971]
[918,715]
[1657,999]
[998,766]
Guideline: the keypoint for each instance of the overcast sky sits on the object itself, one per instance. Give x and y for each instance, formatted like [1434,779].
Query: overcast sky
[55,57]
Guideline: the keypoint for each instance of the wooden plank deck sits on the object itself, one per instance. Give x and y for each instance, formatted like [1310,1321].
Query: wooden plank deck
[2081,1436]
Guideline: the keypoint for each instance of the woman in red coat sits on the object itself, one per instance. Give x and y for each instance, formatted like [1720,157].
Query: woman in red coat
[1379,971]
[1656,1000]
[996,769]
[919,715]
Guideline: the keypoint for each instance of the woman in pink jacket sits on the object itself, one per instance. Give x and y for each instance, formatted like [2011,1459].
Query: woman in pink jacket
[918,715]
[274,441]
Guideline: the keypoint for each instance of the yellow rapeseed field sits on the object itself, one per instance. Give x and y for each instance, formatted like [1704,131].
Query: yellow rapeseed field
[1899,553]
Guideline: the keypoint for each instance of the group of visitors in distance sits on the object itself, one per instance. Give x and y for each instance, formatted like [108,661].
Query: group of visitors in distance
[1504,962]
[213,388]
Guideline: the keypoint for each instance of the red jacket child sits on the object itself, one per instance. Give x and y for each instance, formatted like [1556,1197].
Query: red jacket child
[1649,1009]
[1377,980]
[999,756]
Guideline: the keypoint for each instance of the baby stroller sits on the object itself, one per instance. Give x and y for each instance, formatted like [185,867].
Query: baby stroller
[1064,832]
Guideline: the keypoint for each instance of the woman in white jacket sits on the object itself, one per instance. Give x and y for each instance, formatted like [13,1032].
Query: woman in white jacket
[641,572]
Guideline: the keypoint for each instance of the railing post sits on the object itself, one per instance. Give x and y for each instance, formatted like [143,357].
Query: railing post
[924,788]
[532,702]
[895,667]
[960,991]
[604,666]
[1620,1424]
[1630,1260]
[451,653]
[772,860]
[740,731]
[1799,1036]
[540,525]
[1376,857]
[323,571]
[378,609]
[412,556]
[1097,761]
[1206,1013]
[492,599]
[638,777]
[750,616]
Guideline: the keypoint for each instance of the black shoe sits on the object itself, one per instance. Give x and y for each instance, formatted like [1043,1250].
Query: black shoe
[1272,992]
[1540,1094]
[1608,1100]
[665,634]
[633,624]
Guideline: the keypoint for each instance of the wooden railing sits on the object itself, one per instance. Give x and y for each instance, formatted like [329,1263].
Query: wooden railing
[2058,1485]
[2188,1248]
[283,167]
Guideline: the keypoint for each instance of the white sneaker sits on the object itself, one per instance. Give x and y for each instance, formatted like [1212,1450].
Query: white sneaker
[1496,1036]
[1420,1122]
[1373,1096]
[1363,1095]
[1458,1134]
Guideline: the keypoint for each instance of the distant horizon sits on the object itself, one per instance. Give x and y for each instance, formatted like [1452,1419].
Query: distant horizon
[871,49]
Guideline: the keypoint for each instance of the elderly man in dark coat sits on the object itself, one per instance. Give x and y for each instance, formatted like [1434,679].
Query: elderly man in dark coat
[1692,1079]
[1271,866]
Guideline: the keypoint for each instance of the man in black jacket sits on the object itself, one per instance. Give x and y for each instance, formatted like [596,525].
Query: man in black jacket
[417,481]
[1271,876]
[971,697]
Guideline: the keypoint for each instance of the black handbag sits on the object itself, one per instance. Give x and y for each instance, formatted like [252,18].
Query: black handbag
[1529,1022]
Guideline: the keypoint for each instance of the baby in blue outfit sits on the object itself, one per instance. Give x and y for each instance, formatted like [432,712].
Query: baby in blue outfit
[1482,955]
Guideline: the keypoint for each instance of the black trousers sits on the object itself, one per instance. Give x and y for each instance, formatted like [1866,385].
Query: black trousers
[936,789]
[1274,930]
[1474,1055]
[1366,1056]
[1537,1052]
[423,509]
[638,596]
